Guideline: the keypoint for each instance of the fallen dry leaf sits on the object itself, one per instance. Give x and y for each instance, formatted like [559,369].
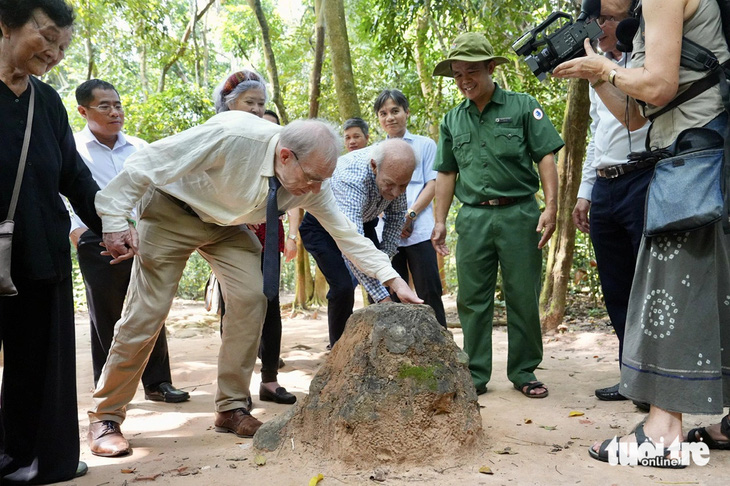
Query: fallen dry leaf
[259,460]
[585,422]
[575,413]
[506,450]
[528,421]
[316,479]
[129,471]
[485,470]
[151,477]
[549,427]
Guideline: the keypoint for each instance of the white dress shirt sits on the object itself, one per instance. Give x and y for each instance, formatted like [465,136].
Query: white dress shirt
[425,150]
[103,162]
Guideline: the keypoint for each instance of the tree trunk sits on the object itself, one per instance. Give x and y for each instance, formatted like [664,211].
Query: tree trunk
[270,59]
[315,77]
[319,296]
[304,279]
[336,27]
[143,72]
[206,53]
[570,163]
[90,67]
[304,287]
[424,69]
[183,44]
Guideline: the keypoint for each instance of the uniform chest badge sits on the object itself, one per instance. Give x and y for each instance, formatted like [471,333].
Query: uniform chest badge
[538,114]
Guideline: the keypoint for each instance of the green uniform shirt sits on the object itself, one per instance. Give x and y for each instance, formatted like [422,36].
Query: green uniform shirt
[494,151]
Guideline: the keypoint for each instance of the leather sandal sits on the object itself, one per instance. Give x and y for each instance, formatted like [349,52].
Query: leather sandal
[701,435]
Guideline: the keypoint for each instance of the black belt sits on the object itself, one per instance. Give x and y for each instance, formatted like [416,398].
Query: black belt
[615,171]
[500,201]
[181,204]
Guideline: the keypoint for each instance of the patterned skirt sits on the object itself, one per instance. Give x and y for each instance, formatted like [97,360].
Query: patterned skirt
[677,340]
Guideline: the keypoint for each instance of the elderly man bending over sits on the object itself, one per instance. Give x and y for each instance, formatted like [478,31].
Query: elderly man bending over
[367,182]
[196,190]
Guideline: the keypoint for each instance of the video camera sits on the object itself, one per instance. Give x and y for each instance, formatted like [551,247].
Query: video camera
[564,43]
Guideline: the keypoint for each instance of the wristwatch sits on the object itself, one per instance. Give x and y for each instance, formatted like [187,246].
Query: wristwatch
[411,214]
[292,237]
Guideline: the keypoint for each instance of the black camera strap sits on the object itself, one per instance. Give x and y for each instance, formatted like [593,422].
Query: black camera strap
[696,58]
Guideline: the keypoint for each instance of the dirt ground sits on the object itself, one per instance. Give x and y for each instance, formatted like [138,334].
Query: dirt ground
[528,441]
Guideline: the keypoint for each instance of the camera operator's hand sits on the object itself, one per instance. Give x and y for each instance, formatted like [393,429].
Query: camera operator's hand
[591,67]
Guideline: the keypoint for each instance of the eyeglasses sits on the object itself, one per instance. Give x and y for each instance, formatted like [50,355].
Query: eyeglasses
[105,109]
[310,180]
[602,19]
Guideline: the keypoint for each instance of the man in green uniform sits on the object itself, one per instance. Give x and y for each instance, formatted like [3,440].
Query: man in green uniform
[486,153]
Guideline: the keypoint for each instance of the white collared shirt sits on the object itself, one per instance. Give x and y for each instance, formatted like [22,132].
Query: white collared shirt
[103,162]
[425,150]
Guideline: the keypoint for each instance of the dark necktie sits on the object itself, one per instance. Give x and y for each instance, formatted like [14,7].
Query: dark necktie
[271,243]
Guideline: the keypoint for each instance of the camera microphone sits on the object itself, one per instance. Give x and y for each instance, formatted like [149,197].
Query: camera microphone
[625,32]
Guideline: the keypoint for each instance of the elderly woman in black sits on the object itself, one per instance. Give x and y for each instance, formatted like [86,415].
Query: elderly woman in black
[39,435]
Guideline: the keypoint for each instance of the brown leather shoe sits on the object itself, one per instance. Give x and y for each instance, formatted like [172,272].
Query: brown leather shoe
[237,421]
[106,439]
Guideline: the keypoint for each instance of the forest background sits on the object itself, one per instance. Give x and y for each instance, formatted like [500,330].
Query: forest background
[327,59]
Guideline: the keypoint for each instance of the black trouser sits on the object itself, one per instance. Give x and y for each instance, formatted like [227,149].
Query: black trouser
[341,295]
[270,346]
[617,223]
[106,287]
[39,431]
[421,259]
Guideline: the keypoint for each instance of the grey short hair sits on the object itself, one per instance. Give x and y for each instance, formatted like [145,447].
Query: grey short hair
[232,87]
[307,136]
[379,150]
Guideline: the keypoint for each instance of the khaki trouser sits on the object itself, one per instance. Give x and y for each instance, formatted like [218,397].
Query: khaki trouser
[168,235]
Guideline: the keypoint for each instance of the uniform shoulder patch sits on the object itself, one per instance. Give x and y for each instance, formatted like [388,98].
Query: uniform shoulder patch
[538,114]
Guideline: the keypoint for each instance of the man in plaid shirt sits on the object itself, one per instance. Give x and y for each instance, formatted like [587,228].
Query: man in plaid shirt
[366,183]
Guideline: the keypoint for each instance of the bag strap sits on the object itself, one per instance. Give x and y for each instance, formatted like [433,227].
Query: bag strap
[23,153]
[697,58]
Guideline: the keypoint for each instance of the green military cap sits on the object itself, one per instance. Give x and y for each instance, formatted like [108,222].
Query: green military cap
[470,47]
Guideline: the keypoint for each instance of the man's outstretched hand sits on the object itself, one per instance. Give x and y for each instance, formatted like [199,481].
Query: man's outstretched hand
[403,291]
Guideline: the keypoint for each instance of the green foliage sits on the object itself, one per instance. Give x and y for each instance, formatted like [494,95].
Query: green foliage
[174,110]
[194,278]
[79,291]
[130,42]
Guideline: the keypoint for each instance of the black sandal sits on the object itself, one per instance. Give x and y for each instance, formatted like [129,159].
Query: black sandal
[602,454]
[701,435]
[531,385]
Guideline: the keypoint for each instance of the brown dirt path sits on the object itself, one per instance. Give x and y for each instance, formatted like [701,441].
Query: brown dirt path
[175,444]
